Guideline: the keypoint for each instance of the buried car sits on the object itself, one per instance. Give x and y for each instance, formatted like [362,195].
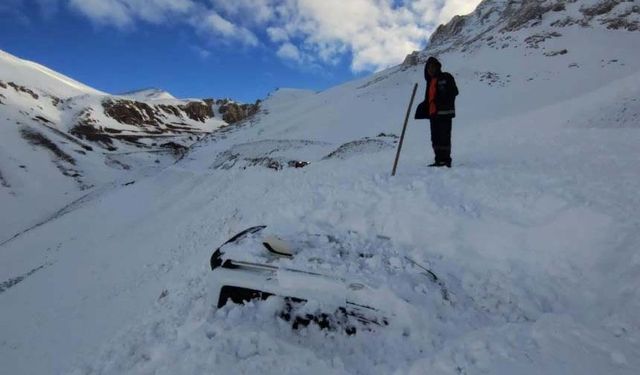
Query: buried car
[319,278]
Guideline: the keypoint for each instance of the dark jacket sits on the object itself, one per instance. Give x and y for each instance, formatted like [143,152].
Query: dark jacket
[446,92]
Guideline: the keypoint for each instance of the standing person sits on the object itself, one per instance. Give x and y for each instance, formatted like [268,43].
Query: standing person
[439,107]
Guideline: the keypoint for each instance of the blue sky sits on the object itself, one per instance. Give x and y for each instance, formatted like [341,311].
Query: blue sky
[215,48]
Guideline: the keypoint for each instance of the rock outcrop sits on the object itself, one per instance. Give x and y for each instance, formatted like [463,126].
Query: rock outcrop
[198,111]
[494,22]
[412,59]
[132,112]
[233,112]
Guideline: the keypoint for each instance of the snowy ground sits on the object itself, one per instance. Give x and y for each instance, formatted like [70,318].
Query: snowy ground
[535,233]
[46,167]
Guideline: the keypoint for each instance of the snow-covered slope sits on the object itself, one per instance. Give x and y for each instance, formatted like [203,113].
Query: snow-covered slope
[30,74]
[534,231]
[62,140]
[148,94]
[525,47]
[498,24]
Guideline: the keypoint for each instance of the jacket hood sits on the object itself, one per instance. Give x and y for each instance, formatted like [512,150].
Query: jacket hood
[434,61]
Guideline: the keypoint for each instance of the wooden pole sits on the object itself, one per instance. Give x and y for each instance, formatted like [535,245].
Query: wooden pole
[404,128]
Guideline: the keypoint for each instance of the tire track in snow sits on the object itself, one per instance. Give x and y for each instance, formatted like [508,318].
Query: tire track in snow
[5,285]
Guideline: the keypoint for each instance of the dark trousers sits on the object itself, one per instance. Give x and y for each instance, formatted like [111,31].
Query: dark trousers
[441,139]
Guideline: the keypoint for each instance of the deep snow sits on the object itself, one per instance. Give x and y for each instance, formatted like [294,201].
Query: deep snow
[37,183]
[535,233]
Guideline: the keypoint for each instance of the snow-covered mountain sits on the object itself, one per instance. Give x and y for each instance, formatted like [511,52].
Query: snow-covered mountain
[31,74]
[148,94]
[496,23]
[73,139]
[534,231]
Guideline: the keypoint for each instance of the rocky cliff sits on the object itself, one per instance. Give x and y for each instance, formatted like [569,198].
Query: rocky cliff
[501,24]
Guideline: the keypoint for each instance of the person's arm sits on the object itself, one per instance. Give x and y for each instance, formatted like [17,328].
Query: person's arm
[453,88]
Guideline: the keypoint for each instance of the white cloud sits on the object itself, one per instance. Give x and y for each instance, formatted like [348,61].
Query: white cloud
[374,33]
[288,51]
[456,7]
[254,11]
[278,34]
[214,24]
[124,13]
[104,11]
[377,33]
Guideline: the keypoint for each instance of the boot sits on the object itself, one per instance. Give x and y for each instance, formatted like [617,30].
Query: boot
[439,164]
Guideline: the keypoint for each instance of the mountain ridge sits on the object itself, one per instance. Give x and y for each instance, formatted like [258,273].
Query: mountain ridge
[76,138]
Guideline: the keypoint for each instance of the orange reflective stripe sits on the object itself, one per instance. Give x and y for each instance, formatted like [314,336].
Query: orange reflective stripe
[432,97]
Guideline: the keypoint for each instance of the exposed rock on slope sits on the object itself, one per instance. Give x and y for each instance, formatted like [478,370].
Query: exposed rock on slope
[233,112]
[130,112]
[198,111]
[65,163]
[138,113]
[503,24]
[69,137]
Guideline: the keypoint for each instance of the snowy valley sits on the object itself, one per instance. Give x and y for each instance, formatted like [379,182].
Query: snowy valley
[64,141]
[112,205]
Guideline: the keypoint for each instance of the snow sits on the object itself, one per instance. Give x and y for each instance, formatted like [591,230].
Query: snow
[148,94]
[534,233]
[31,74]
[37,184]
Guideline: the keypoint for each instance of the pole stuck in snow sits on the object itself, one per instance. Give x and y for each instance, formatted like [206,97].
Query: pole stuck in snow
[404,128]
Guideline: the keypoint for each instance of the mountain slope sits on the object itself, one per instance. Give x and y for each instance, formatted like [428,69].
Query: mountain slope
[63,140]
[31,74]
[147,94]
[497,23]
[534,231]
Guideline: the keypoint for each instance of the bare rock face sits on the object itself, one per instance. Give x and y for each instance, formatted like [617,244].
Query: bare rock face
[137,113]
[615,14]
[534,41]
[198,111]
[38,139]
[233,112]
[156,118]
[600,8]
[129,112]
[556,53]
[179,150]
[169,109]
[87,128]
[528,13]
[150,118]
[19,89]
[448,31]
[502,16]
[494,23]
[412,59]
[64,162]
